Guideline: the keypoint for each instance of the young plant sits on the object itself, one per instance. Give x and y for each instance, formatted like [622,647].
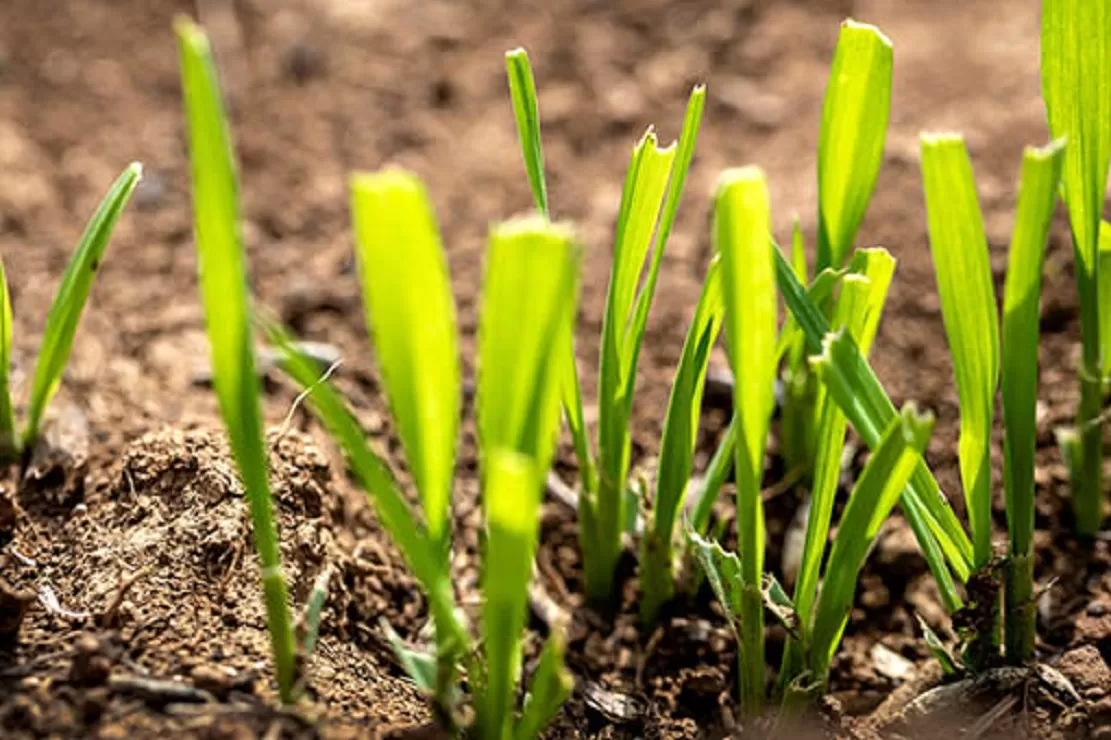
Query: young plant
[968,305]
[528,306]
[857,311]
[677,445]
[742,221]
[1041,174]
[649,203]
[228,318]
[1076,85]
[960,252]
[61,321]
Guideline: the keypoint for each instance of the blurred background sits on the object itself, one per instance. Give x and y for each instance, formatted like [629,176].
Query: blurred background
[318,88]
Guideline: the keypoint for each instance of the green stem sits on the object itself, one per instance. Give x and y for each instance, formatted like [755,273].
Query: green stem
[657,577]
[1088,488]
[1019,607]
[600,539]
[750,653]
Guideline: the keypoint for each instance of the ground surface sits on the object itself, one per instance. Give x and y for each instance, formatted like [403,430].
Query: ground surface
[140,536]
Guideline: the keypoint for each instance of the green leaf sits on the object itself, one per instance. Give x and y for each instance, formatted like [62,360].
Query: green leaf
[723,573]
[964,281]
[677,443]
[69,301]
[512,515]
[409,307]
[874,496]
[716,473]
[397,518]
[860,395]
[527,306]
[423,555]
[854,125]
[9,437]
[419,665]
[634,334]
[742,237]
[950,665]
[858,310]
[604,513]
[1076,85]
[223,282]
[1041,172]
[526,112]
[550,687]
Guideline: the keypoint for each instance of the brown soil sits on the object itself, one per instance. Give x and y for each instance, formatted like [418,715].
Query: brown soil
[129,561]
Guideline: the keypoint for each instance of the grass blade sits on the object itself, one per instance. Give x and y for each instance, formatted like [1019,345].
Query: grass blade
[677,443]
[551,686]
[69,301]
[603,513]
[223,281]
[9,437]
[1041,173]
[867,406]
[964,281]
[874,496]
[410,310]
[423,555]
[854,125]
[526,112]
[858,310]
[741,235]
[528,302]
[1076,85]
[512,509]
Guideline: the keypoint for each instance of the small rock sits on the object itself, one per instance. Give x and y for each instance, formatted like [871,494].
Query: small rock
[890,664]
[1086,669]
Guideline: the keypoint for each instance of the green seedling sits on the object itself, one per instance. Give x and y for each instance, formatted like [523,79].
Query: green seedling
[529,302]
[61,321]
[969,308]
[649,203]
[1076,85]
[677,446]
[228,318]
[741,236]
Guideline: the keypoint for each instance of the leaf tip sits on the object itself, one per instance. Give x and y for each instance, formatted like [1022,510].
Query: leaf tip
[867,29]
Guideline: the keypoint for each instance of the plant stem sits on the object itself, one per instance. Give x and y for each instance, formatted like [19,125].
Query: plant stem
[1020,609]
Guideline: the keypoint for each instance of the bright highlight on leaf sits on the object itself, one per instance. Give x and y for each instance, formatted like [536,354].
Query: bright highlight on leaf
[228,317]
[741,235]
[409,307]
[854,126]
[527,307]
[960,252]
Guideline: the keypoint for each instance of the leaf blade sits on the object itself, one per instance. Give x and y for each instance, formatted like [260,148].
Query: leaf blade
[410,311]
[960,253]
[223,283]
[73,292]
